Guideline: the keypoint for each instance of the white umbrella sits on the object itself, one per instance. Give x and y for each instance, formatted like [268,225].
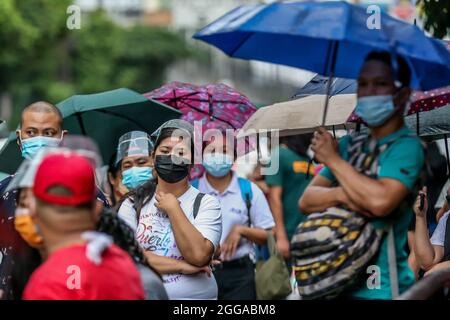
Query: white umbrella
[300,116]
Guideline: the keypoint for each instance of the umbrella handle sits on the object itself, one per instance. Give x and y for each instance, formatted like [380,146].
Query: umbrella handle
[417,124]
[334,48]
[447,154]
[210,107]
[81,123]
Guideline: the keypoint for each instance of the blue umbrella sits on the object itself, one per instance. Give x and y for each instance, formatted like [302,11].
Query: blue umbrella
[330,38]
[318,85]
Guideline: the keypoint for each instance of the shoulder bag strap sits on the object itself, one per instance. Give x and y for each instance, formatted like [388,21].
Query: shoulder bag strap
[197,202]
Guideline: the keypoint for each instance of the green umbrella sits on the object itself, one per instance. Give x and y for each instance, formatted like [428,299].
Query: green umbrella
[104,117]
[3,175]
[10,157]
[108,115]
[4,132]
[433,125]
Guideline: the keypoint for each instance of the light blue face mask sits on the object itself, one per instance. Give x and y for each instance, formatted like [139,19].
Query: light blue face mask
[136,176]
[217,164]
[31,146]
[375,110]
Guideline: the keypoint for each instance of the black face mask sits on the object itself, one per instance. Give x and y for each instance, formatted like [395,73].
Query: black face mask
[169,171]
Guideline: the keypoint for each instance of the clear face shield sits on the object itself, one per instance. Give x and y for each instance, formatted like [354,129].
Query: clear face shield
[134,143]
[24,177]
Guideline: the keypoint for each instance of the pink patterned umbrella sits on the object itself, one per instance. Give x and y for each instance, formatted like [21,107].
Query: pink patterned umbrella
[429,100]
[217,106]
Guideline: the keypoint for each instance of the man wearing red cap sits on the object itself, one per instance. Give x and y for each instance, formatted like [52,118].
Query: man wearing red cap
[81,264]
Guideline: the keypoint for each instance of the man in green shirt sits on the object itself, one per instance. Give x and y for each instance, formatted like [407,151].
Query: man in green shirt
[287,186]
[383,92]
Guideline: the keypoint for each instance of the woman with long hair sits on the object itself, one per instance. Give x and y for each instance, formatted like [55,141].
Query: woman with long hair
[178,227]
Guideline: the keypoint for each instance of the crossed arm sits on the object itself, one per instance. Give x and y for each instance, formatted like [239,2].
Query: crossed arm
[195,249]
[166,265]
[373,198]
[427,255]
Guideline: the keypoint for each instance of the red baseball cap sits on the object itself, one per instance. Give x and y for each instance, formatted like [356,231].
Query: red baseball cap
[68,170]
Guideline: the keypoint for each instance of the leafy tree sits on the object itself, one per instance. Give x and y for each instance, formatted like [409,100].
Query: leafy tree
[96,48]
[40,59]
[436,15]
[30,32]
[147,52]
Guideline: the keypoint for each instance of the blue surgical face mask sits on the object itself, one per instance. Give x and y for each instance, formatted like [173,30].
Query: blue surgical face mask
[31,146]
[217,164]
[136,176]
[375,110]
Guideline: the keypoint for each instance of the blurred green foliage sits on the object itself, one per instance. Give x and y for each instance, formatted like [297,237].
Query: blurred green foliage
[41,59]
[436,16]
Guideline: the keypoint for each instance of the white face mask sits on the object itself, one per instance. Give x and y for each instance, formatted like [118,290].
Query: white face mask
[31,146]
[375,110]
[217,164]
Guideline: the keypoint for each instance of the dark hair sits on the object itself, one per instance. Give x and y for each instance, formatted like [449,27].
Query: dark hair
[403,72]
[298,143]
[144,193]
[122,235]
[112,167]
[114,170]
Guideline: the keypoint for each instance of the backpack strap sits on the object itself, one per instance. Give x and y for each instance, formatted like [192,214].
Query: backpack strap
[197,202]
[392,262]
[247,195]
[195,183]
[447,241]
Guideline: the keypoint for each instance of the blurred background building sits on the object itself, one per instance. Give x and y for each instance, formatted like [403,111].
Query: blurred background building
[186,17]
[139,44]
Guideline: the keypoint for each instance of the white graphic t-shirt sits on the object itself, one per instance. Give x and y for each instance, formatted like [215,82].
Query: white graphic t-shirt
[154,233]
[438,237]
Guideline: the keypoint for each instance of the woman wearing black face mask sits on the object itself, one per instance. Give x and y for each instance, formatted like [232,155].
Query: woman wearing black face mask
[178,227]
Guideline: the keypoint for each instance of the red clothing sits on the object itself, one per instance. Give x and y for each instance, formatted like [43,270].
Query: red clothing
[69,275]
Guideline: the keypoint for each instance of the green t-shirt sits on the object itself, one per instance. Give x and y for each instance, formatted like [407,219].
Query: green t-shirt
[292,177]
[402,161]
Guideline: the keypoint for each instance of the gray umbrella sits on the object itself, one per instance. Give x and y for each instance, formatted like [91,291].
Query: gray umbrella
[433,125]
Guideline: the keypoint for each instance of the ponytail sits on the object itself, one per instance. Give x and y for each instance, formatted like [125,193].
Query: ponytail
[141,196]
